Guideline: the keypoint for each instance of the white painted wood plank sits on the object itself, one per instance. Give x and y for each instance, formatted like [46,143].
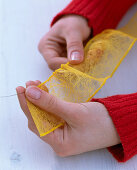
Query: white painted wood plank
[22,24]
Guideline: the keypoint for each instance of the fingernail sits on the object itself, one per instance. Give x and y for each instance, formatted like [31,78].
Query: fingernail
[33,92]
[75,55]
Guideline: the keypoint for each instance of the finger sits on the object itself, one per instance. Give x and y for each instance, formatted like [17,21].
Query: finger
[31,125]
[37,82]
[50,103]
[22,100]
[75,49]
[55,61]
[32,83]
[51,50]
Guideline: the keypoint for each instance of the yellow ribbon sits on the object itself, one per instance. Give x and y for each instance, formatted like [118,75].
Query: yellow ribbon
[79,83]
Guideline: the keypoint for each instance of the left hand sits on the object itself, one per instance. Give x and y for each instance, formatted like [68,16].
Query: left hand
[88,125]
[64,42]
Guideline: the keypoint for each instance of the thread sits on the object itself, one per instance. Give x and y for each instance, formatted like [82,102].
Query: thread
[8,96]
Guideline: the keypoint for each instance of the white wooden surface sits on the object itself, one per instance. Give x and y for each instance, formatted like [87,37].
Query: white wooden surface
[22,24]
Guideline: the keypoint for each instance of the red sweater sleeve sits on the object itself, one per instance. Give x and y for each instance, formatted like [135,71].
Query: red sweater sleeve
[123,111]
[101,14]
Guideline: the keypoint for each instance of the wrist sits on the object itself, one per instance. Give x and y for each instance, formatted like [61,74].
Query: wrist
[107,129]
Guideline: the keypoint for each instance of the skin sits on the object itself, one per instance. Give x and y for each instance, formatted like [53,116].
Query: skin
[65,38]
[88,125]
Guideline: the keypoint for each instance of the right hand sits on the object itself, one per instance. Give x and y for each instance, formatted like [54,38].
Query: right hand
[64,41]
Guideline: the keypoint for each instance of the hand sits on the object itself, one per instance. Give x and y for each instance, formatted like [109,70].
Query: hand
[88,125]
[64,41]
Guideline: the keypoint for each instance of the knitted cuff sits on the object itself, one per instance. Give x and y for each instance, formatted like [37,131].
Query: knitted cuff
[123,111]
[101,14]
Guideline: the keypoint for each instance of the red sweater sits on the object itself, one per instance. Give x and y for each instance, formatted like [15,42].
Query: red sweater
[103,14]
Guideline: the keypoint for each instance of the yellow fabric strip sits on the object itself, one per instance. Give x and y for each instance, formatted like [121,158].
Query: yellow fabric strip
[79,83]
[51,130]
[114,69]
[131,27]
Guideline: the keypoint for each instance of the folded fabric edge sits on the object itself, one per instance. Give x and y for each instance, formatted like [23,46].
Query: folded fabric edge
[131,45]
[51,130]
[105,79]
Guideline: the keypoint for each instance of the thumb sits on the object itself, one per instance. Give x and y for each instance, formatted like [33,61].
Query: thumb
[49,102]
[75,49]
